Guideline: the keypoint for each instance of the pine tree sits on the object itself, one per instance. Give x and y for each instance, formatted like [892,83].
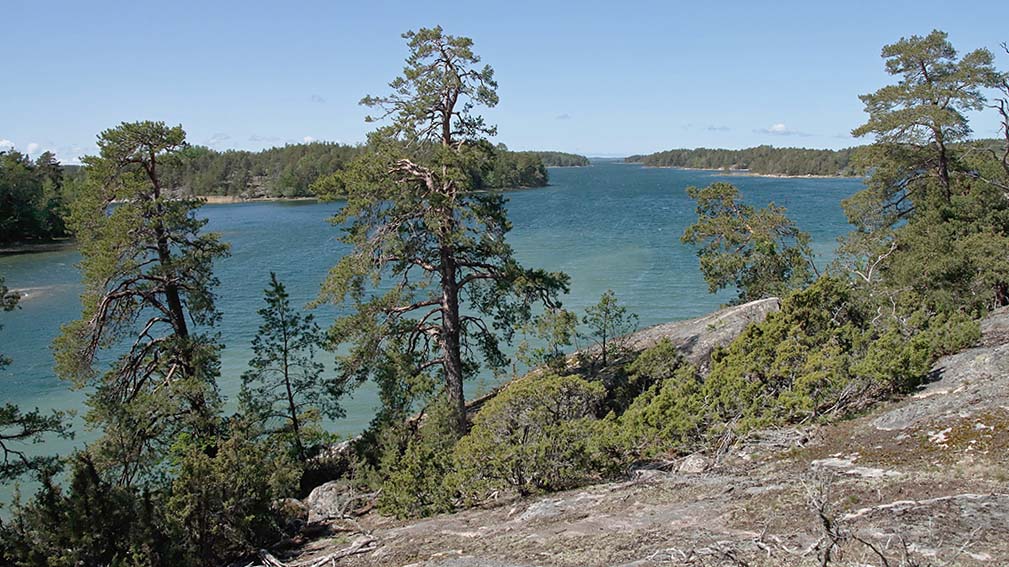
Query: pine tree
[148,275]
[760,252]
[284,382]
[609,323]
[417,227]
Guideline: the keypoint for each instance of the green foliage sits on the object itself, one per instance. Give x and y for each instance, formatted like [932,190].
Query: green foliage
[560,159]
[652,366]
[284,388]
[818,356]
[31,197]
[761,159]
[221,494]
[609,325]
[8,302]
[507,170]
[91,523]
[148,275]
[287,171]
[914,120]
[438,64]
[550,331]
[499,169]
[535,435]
[933,219]
[794,365]
[759,252]
[214,509]
[416,467]
[669,415]
[419,230]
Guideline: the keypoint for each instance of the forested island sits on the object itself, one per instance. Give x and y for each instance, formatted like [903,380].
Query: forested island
[562,159]
[32,198]
[762,160]
[292,170]
[35,195]
[429,292]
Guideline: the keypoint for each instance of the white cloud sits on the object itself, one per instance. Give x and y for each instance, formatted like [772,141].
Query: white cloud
[217,139]
[308,139]
[779,129]
[32,148]
[6,144]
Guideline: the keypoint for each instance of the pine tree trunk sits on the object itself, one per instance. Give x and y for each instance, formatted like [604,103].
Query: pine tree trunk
[292,407]
[943,165]
[450,338]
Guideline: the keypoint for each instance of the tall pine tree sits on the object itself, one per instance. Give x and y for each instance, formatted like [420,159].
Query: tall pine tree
[421,234]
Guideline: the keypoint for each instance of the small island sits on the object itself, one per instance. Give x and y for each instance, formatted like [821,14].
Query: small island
[760,160]
[561,159]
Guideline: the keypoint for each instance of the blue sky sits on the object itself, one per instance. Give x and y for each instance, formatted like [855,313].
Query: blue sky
[599,78]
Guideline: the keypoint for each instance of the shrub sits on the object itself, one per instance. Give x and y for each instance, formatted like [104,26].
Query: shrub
[793,365]
[416,466]
[92,522]
[221,494]
[654,365]
[818,356]
[536,435]
[667,416]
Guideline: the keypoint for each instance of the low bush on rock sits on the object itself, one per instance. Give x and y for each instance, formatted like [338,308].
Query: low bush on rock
[818,356]
[416,465]
[536,435]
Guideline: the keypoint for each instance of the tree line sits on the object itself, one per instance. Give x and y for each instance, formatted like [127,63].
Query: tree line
[764,159]
[35,195]
[561,159]
[295,169]
[174,480]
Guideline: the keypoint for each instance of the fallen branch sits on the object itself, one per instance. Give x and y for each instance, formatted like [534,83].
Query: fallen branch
[362,544]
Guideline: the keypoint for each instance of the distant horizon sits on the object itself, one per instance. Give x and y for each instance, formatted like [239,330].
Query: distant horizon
[580,78]
[589,156]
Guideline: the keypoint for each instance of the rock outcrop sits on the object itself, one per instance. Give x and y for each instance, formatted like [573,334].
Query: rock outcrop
[697,338]
[921,481]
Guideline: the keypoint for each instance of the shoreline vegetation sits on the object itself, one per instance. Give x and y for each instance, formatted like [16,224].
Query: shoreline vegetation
[305,170]
[760,160]
[748,173]
[237,199]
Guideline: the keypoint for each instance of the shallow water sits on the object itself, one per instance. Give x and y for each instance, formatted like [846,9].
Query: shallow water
[612,225]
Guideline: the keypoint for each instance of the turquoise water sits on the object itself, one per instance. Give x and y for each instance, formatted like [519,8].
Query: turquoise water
[612,225]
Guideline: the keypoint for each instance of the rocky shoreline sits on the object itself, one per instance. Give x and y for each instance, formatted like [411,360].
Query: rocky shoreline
[917,481]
